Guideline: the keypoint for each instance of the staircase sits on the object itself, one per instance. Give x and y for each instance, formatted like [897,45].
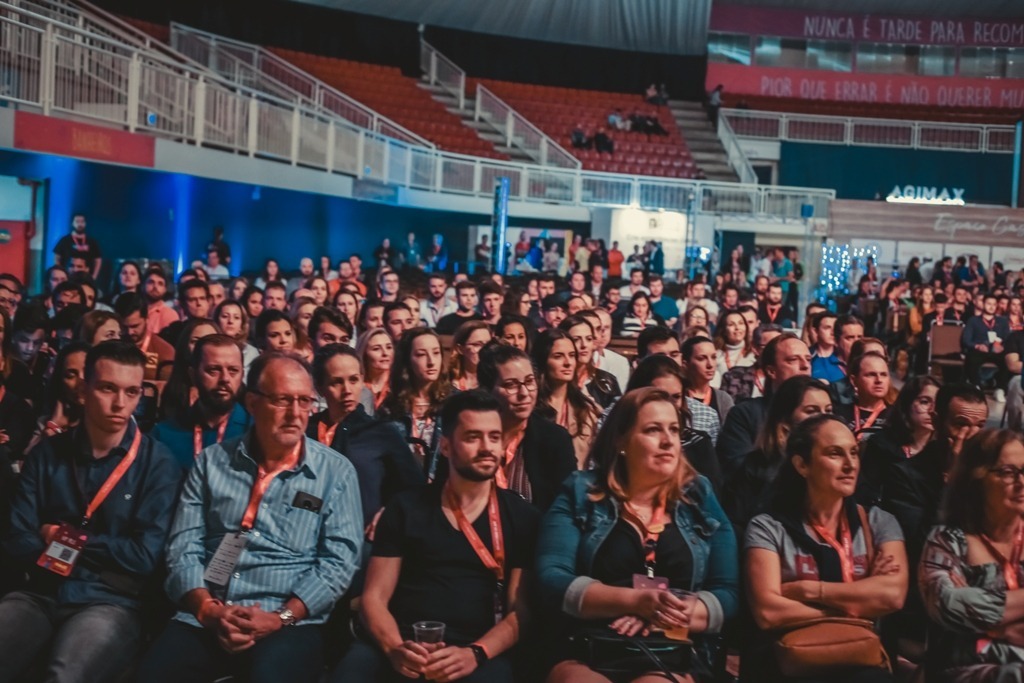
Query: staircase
[700,136]
[482,129]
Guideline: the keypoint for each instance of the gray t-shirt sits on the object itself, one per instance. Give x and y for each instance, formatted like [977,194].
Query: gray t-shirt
[764,531]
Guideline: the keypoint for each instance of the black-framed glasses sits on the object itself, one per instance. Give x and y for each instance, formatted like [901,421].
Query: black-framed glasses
[511,386]
[285,401]
[1008,474]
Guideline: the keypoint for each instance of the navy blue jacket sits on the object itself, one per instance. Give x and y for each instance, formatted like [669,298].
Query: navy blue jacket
[127,534]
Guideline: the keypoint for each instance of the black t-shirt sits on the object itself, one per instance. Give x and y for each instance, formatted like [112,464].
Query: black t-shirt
[451,322]
[1015,344]
[442,579]
[622,555]
[67,247]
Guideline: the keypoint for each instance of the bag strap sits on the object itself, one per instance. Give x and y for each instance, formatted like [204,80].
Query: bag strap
[869,540]
[655,660]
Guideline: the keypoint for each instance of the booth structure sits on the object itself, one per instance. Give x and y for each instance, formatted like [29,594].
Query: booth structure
[900,232]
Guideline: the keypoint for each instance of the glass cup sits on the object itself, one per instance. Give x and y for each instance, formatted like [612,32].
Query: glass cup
[682,632]
[428,631]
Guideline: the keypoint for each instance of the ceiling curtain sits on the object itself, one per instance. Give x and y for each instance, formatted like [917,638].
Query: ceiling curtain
[676,27]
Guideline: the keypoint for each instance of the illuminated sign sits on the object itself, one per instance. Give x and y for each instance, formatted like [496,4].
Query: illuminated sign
[919,194]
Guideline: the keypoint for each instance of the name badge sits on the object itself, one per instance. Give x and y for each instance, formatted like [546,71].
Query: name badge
[650,582]
[993,337]
[222,564]
[62,553]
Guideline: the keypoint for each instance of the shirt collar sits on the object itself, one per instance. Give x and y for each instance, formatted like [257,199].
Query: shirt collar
[83,448]
[305,463]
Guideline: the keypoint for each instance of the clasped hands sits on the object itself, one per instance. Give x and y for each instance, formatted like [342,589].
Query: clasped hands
[434,661]
[237,627]
[654,610]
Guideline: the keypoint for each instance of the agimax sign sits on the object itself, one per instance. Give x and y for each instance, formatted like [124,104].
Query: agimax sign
[920,194]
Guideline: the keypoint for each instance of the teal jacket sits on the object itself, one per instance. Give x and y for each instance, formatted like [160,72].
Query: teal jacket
[575,527]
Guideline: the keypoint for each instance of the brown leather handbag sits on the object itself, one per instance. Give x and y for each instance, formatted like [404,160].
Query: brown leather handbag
[818,647]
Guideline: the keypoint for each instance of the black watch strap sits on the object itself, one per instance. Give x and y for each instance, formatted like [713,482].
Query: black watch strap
[479,652]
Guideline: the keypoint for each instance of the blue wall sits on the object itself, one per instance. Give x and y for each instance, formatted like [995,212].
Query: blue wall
[861,172]
[135,213]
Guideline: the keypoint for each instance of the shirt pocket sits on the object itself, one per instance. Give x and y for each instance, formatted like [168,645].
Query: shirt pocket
[297,529]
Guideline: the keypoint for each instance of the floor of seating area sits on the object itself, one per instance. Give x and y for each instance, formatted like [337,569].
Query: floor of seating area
[388,91]
[557,111]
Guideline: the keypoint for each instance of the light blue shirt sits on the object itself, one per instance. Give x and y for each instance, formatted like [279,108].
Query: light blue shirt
[291,551]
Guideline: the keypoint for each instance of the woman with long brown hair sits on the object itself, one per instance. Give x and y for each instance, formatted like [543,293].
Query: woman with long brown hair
[611,551]
[556,359]
[417,390]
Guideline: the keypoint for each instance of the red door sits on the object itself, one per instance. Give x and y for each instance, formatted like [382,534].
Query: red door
[14,248]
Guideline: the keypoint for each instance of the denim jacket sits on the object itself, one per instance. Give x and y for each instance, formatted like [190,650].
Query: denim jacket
[575,527]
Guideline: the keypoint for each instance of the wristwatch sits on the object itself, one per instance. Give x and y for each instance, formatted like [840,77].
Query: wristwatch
[287,616]
[479,652]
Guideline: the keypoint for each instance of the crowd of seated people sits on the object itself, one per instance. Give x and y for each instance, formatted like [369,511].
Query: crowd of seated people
[596,135]
[354,476]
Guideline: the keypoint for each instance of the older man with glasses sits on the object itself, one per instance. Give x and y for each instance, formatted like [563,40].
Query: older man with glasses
[266,539]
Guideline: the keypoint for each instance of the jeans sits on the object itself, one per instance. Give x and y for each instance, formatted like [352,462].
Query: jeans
[365,663]
[189,653]
[86,643]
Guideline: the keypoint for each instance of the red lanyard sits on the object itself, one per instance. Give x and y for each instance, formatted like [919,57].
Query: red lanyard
[511,449]
[845,550]
[650,534]
[325,434]
[262,483]
[706,398]
[1011,565]
[81,243]
[989,325]
[114,477]
[3,392]
[857,426]
[144,346]
[563,419]
[772,315]
[197,435]
[381,396]
[496,561]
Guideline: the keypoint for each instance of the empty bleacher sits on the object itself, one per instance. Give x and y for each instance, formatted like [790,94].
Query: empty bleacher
[386,90]
[557,111]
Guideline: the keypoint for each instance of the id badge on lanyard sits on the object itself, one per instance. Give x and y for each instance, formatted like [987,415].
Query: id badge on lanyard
[63,551]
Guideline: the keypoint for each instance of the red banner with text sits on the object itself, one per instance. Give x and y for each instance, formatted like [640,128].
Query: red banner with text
[833,86]
[81,140]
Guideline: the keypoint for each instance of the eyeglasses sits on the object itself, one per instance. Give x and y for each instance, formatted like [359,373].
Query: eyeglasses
[283,401]
[1008,474]
[512,386]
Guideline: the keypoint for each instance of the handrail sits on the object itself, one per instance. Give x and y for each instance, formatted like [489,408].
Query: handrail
[277,73]
[874,131]
[737,159]
[59,72]
[443,72]
[519,132]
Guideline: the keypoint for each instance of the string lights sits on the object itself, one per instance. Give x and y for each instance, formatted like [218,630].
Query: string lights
[838,262]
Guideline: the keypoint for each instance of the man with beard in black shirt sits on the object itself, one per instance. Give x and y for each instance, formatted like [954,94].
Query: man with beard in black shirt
[452,553]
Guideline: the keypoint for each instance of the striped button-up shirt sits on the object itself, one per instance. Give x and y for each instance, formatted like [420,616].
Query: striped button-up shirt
[291,551]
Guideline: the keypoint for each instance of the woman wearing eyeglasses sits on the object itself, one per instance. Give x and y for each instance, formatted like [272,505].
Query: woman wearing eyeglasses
[970,574]
[417,392]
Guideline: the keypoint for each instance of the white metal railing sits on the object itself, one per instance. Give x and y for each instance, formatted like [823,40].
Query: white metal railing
[63,71]
[517,131]
[850,130]
[258,68]
[734,153]
[443,72]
